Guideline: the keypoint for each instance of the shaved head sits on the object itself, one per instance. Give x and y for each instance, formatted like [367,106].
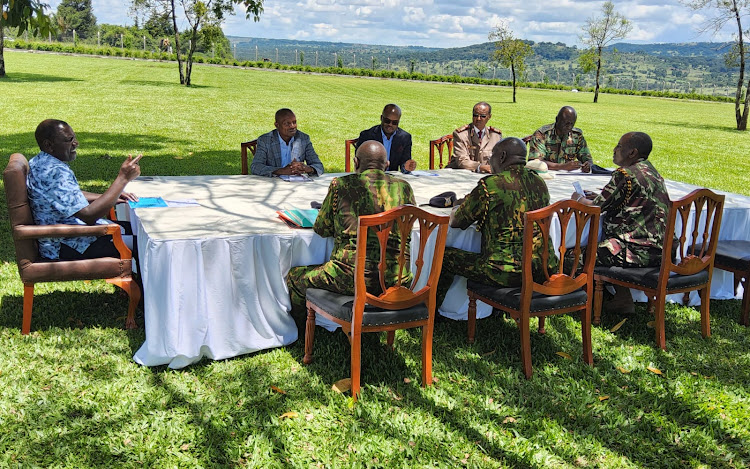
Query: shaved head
[371,155]
[507,152]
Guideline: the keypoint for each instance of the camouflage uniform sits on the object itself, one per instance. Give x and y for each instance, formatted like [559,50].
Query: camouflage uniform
[497,204]
[350,196]
[546,144]
[635,205]
[469,151]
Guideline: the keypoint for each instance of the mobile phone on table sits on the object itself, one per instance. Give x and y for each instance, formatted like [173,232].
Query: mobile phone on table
[578,188]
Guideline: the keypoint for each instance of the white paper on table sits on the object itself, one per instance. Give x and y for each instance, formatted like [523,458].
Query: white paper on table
[182,203]
[424,173]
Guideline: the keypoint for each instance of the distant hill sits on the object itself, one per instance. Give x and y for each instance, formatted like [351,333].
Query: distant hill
[684,67]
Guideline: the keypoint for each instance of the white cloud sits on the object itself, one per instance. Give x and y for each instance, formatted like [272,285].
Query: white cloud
[445,23]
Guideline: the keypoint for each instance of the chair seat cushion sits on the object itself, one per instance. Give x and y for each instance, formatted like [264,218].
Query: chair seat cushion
[340,306]
[511,297]
[648,277]
[734,254]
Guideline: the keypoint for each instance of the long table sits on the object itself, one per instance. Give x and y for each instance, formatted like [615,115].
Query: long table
[213,274]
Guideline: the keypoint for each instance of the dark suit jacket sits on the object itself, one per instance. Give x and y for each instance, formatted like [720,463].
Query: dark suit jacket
[400,148]
[267,157]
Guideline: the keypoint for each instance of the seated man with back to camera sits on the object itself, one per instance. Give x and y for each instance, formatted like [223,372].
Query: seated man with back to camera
[497,204]
[368,191]
[473,143]
[286,150]
[56,198]
[561,145]
[635,205]
[397,141]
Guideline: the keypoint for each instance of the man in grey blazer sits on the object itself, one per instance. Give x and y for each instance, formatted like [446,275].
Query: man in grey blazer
[286,150]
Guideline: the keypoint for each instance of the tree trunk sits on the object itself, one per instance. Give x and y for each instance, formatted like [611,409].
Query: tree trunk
[513,73]
[177,44]
[740,115]
[598,71]
[2,57]
[742,123]
[191,50]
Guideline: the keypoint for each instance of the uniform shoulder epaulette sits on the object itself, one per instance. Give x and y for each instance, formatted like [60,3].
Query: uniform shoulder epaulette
[493,129]
[576,130]
[546,128]
[463,128]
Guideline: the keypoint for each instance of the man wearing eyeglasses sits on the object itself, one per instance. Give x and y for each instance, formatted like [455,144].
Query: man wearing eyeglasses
[473,143]
[397,141]
[561,145]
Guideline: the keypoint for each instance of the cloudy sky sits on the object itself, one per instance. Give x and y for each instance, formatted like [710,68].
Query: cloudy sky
[445,23]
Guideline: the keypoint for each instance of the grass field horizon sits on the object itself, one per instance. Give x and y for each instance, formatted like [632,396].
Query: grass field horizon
[71,395]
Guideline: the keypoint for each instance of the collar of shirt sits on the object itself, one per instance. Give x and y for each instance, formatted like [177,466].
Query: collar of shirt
[479,133]
[286,151]
[387,142]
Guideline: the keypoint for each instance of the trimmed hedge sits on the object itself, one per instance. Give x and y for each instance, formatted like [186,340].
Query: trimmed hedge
[366,72]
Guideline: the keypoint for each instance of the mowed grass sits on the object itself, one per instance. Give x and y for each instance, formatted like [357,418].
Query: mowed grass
[71,396]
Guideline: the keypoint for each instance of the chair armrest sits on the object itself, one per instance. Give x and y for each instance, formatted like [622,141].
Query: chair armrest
[63,231]
[25,232]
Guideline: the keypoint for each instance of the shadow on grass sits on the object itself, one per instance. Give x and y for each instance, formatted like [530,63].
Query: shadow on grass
[731,131]
[170,84]
[21,77]
[69,309]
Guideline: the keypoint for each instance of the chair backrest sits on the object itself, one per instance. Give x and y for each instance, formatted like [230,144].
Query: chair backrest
[400,220]
[19,210]
[440,145]
[252,145]
[706,208]
[349,144]
[576,268]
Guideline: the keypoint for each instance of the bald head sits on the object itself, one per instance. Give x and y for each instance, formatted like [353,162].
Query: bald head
[566,120]
[507,152]
[47,129]
[371,155]
[389,108]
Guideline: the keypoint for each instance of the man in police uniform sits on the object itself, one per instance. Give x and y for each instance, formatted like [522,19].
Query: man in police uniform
[473,143]
[561,145]
[497,204]
[635,205]
[368,191]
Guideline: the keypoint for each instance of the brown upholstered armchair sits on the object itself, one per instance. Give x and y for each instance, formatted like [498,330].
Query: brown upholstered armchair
[33,269]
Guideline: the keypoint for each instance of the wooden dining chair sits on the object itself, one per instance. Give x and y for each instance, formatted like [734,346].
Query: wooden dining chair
[567,288]
[693,267]
[33,269]
[733,256]
[440,145]
[349,144]
[387,307]
[244,146]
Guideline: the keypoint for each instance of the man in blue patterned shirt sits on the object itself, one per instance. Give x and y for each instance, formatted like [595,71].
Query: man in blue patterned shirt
[56,198]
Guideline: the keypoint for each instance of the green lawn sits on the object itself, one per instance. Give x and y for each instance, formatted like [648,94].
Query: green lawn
[70,394]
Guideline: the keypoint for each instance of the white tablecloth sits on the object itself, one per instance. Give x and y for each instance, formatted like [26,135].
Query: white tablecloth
[214,275]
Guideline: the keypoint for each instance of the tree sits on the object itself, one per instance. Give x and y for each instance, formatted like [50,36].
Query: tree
[510,52]
[76,15]
[199,13]
[598,33]
[211,12]
[480,68]
[730,11]
[26,15]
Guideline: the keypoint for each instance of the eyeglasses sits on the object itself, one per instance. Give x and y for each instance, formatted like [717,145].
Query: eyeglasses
[483,116]
[387,121]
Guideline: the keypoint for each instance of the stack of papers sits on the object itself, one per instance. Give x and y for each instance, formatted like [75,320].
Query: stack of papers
[295,178]
[299,218]
[147,202]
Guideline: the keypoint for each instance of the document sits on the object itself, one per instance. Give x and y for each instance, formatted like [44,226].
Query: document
[147,202]
[299,218]
[295,178]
